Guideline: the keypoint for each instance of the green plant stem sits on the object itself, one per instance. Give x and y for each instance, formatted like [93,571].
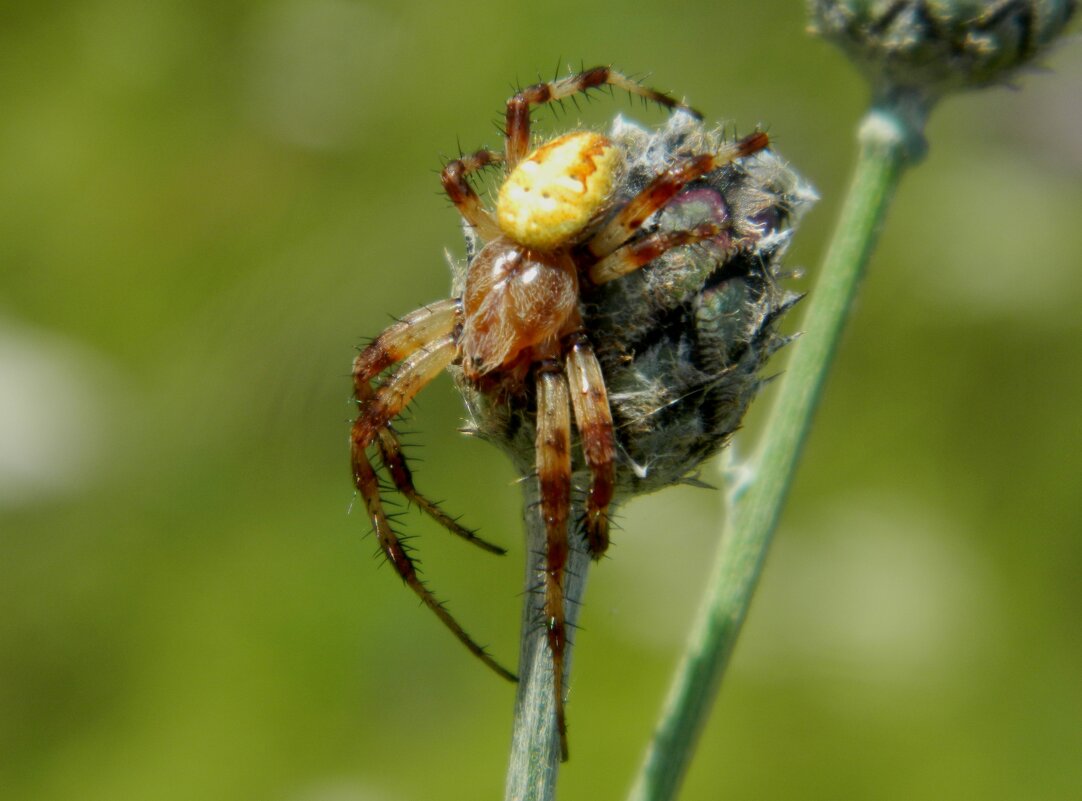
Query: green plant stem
[535,742]
[887,137]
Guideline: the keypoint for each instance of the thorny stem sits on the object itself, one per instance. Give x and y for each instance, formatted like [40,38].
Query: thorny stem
[890,139]
[535,742]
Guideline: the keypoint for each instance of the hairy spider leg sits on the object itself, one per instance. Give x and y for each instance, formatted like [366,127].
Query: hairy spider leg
[402,338]
[391,452]
[463,195]
[377,410]
[663,188]
[554,477]
[407,336]
[518,107]
[593,418]
[637,254]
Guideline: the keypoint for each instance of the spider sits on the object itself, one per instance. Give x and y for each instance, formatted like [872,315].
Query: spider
[517,330]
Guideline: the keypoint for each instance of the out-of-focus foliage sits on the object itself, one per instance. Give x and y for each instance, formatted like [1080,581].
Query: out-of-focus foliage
[204,207]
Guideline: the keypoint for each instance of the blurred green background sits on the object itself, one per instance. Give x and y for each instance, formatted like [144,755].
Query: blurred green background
[205,206]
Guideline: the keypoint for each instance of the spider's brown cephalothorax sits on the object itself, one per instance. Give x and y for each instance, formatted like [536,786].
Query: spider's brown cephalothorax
[515,299]
[624,286]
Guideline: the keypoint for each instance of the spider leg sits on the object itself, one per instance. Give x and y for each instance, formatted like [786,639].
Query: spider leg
[554,476]
[590,401]
[378,408]
[395,461]
[518,107]
[664,187]
[401,339]
[396,343]
[634,255]
[463,195]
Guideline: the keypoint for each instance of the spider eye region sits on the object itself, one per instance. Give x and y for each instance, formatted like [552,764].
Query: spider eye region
[553,193]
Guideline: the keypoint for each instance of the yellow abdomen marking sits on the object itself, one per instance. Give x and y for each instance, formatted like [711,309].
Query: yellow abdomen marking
[553,193]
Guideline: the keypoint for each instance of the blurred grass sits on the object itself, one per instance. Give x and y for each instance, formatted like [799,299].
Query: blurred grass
[204,207]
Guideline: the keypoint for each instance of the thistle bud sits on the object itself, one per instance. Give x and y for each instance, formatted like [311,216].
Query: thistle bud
[682,341]
[937,46]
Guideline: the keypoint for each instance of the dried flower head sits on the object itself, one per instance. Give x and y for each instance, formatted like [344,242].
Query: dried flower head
[936,46]
[681,343]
